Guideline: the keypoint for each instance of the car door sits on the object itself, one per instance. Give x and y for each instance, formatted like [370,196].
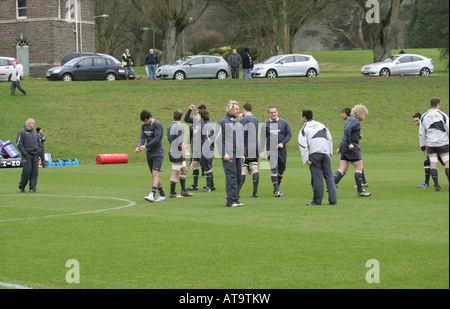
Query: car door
[99,69]
[402,66]
[194,68]
[417,63]
[211,66]
[285,66]
[301,64]
[83,69]
[5,69]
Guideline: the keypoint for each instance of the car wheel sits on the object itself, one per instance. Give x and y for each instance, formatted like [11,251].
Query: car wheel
[179,76]
[222,75]
[384,72]
[311,73]
[271,74]
[67,77]
[111,77]
[425,72]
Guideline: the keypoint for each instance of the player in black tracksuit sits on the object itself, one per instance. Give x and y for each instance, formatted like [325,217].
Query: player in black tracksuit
[29,146]
[276,132]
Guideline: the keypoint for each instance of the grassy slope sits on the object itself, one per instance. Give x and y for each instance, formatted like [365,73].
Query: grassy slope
[199,243]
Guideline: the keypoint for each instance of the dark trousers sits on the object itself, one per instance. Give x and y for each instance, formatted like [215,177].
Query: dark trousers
[15,85]
[233,171]
[30,172]
[234,72]
[320,170]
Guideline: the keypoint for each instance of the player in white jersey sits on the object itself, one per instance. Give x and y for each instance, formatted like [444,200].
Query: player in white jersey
[433,136]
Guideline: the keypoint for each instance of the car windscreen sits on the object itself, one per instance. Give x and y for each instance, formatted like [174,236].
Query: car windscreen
[181,61]
[392,58]
[272,59]
[72,62]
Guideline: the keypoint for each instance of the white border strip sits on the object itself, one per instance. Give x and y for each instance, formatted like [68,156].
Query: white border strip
[14,286]
[130,204]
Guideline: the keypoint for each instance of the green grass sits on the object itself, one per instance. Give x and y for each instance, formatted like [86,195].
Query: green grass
[198,242]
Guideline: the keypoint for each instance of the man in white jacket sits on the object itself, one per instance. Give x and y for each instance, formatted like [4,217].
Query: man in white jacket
[15,80]
[433,135]
[316,146]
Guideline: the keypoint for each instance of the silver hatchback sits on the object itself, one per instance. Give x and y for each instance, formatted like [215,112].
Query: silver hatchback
[287,65]
[401,64]
[201,66]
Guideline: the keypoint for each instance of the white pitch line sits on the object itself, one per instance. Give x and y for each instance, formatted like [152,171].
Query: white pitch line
[14,286]
[130,204]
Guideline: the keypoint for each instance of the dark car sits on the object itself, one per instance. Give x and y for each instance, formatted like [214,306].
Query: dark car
[88,68]
[72,55]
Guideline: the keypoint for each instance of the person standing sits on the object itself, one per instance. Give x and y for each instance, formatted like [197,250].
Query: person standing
[235,61]
[433,136]
[247,64]
[426,163]
[128,62]
[151,141]
[42,140]
[151,61]
[349,148]
[276,133]
[316,147]
[15,80]
[230,143]
[177,155]
[251,152]
[29,146]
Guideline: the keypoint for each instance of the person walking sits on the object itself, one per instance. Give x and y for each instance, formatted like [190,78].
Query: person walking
[276,133]
[316,147]
[151,62]
[15,80]
[434,141]
[235,61]
[250,126]
[177,155]
[151,141]
[350,150]
[247,64]
[128,62]
[29,146]
[230,143]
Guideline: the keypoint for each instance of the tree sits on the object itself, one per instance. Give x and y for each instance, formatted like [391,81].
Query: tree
[170,18]
[383,30]
[273,24]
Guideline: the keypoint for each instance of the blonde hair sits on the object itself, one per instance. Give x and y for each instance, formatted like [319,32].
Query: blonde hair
[359,111]
[231,105]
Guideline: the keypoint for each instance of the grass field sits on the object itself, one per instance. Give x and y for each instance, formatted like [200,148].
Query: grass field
[97,214]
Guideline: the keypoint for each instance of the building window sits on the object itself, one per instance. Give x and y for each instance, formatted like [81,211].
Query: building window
[21,9]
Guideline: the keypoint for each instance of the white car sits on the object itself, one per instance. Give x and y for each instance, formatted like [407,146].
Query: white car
[287,65]
[401,64]
[6,68]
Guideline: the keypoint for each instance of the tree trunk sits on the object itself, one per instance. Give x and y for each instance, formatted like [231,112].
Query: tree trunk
[170,44]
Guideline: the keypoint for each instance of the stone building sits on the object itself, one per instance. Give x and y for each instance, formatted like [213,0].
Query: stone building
[40,32]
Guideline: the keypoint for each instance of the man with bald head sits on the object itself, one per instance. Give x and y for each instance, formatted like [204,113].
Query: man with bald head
[29,146]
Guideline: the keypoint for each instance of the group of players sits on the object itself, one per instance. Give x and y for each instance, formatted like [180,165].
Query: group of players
[241,144]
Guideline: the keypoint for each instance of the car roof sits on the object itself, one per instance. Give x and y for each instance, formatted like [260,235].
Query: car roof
[7,58]
[409,55]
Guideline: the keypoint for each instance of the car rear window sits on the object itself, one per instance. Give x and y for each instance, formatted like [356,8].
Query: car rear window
[211,60]
[101,62]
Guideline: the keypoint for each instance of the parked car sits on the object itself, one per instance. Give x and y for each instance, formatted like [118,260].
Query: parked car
[401,64]
[286,66]
[202,66]
[6,68]
[88,68]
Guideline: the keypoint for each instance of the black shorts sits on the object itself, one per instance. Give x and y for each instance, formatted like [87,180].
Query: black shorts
[250,163]
[280,163]
[179,159]
[354,155]
[205,164]
[155,162]
[437,150]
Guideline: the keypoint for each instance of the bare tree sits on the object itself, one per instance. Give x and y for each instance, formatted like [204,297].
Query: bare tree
[170,18]
[383,32]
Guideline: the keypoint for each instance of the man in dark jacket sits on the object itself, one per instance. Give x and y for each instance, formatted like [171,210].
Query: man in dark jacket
[247,63]
[235,61]
[29,146]
[151,61]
